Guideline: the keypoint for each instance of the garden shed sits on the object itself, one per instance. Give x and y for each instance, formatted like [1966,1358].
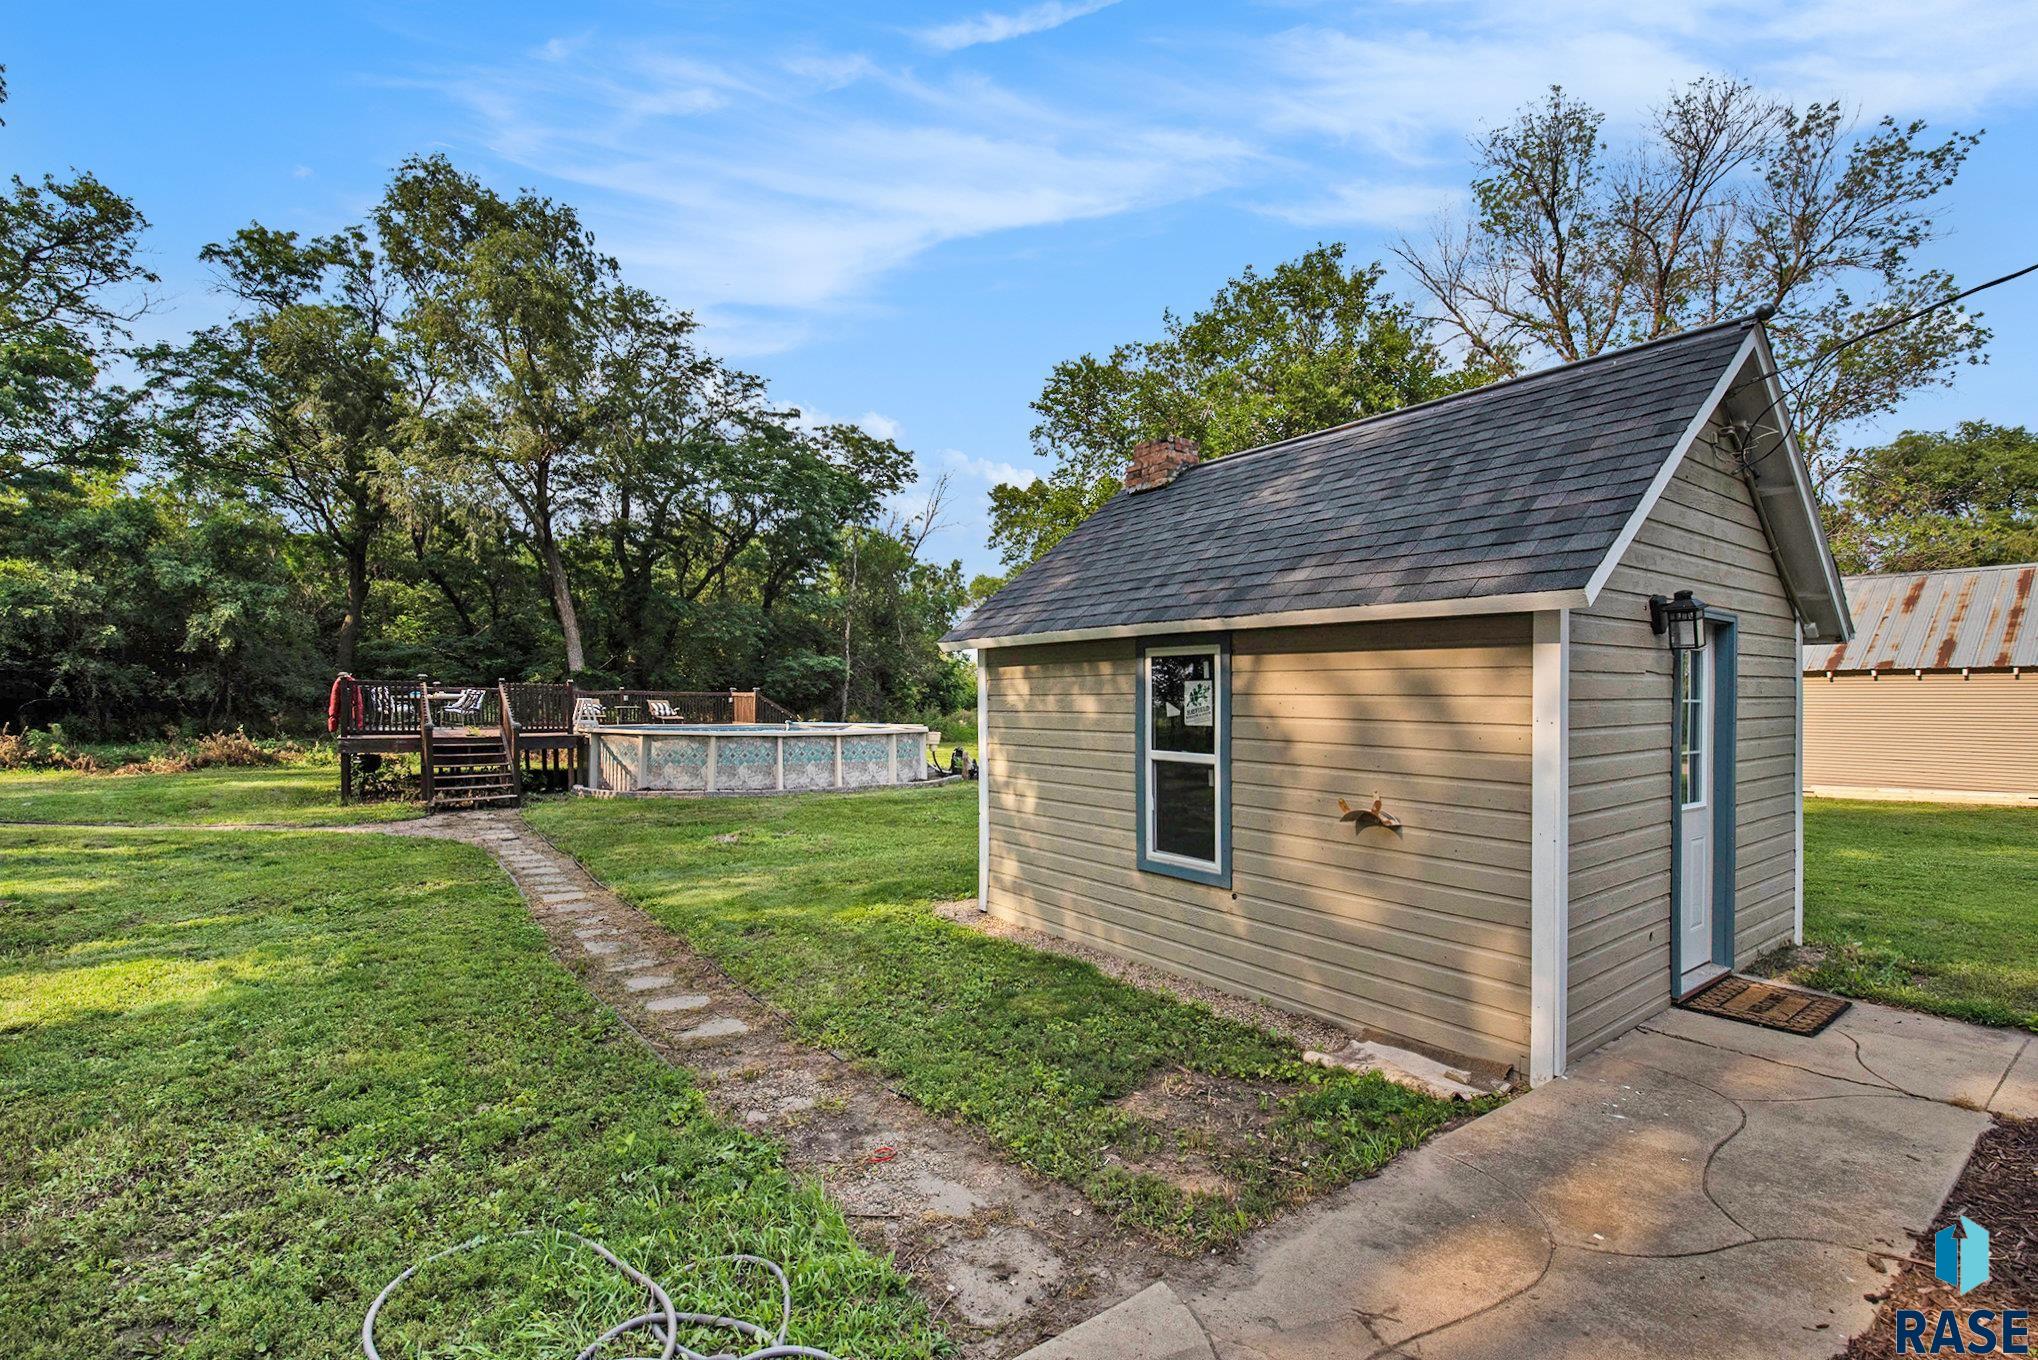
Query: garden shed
[1937,695]
[1552,625]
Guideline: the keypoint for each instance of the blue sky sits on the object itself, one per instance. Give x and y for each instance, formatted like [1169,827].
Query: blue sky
[905,214]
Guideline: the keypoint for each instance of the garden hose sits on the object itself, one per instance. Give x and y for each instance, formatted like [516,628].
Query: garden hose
[662,1320]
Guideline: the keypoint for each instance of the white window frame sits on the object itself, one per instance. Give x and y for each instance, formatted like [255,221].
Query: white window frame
[1698,676]
[1214,761]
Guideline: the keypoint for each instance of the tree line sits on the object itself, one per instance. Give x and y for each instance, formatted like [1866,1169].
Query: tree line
[1723,202]
[454,438]
[451,439]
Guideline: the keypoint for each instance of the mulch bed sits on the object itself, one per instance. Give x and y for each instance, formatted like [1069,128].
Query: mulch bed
[1999,1190]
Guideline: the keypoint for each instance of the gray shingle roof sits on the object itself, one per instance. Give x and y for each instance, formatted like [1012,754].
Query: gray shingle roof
[1968,618]
[1516,488]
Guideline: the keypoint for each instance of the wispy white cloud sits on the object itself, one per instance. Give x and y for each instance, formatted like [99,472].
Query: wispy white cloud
[879,426]
[1382,203]
[989,471]
[766,204]
[1413,83]
[776,192]
[993,27]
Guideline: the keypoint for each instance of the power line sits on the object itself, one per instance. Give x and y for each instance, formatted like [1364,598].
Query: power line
[1905,320]
[1765,312]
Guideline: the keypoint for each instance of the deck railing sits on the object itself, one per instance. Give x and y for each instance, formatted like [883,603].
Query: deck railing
[374,708]
[540,708]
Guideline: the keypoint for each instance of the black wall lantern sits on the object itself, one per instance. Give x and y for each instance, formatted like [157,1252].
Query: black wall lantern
[1682,617]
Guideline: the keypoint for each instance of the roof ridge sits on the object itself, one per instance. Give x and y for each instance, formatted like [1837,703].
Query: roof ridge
[1605,356]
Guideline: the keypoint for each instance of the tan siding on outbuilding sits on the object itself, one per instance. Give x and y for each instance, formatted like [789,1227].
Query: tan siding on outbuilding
[1939,732]
[1423,935]
[1703,535]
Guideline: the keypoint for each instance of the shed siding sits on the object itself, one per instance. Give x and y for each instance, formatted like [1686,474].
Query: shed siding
[1939,732]
[1422,935]
[1703,535]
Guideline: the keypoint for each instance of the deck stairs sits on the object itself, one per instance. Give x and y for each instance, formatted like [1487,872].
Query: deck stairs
[470,770]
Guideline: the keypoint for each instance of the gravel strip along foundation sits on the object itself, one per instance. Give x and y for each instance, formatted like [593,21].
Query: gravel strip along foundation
[1007,1258]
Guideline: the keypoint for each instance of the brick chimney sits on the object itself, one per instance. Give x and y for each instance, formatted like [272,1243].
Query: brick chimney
[1159,461]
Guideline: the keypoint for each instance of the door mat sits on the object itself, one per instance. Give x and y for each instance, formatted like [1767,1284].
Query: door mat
[1767,1005]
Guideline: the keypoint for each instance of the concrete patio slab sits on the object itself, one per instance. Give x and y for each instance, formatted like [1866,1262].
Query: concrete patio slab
[1884,1165]
[2018,1094]
[1435,1239]
[1154,1324]
[1614,1159]
[1922,1055]
[1768,1299]
[1698,1188]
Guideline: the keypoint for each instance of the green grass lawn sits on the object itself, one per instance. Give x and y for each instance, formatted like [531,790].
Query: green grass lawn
[300,795]
[1925,906]
[245,1078]
[821,904]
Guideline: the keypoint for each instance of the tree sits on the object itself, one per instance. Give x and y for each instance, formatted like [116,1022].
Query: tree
[1923,501]
[515,306]
[894,608]
[300,400]
[1314,343]
[70,283]
[1729,202]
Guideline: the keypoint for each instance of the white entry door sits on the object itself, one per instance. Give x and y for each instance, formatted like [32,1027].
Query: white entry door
[1695,782]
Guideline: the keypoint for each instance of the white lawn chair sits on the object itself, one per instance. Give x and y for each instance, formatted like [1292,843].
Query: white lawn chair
[587,711]
[464,709]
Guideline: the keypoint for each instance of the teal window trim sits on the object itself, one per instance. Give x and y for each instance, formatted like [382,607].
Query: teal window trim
[1215,873]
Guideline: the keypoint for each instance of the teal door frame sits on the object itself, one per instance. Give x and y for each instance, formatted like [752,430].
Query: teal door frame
[1722,653]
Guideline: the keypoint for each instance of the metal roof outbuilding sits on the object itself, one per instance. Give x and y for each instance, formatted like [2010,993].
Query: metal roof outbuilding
[1971,618]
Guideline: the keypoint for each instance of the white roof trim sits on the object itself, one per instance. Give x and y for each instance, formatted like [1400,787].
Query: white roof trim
[1803,507]
[1597,581]
[1801,479]
[1526,603]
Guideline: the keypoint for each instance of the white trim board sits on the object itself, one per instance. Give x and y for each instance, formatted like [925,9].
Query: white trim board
[1550,847]
[1800,476]
[983,782]
[1531,603]
[1797,810]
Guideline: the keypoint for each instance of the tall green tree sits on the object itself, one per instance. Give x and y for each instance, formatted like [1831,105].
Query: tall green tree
[1312,343]
[302,400]
[71,281]
[1727,202]
[513,304]
[1967,497]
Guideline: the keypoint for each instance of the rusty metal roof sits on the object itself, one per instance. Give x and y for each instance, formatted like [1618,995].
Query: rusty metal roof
[1967,618]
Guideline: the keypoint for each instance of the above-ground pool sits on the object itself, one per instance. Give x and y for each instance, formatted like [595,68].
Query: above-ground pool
[752,757]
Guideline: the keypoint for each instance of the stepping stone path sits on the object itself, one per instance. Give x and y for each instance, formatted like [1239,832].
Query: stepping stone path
[1006,1257]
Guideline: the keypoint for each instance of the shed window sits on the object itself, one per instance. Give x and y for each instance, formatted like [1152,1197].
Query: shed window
[1183,747]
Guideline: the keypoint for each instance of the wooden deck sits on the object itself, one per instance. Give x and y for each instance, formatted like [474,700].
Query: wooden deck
[479,745]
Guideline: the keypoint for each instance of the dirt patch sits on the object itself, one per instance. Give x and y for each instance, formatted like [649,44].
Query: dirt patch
[1188,1126]
[1999,1190]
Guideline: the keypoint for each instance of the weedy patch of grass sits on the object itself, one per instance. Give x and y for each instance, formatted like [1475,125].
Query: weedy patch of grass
[1926,906]
[246,1078]
[296,795]
[821,904]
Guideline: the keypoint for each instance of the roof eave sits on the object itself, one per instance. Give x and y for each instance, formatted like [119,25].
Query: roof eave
[1519,603]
